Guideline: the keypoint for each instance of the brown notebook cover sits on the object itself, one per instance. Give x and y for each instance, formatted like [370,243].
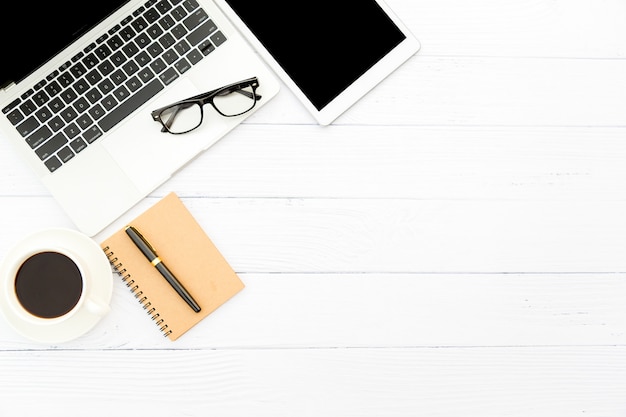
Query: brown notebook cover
[185,248]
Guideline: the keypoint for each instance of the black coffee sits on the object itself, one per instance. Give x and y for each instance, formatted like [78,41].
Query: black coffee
[48,284]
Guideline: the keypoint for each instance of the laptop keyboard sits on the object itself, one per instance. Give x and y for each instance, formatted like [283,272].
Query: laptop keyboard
[87,96]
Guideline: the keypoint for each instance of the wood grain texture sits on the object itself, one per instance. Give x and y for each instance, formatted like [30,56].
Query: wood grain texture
[331,382]
[454,244]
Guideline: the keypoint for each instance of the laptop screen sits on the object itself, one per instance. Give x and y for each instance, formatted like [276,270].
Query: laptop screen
[42,29]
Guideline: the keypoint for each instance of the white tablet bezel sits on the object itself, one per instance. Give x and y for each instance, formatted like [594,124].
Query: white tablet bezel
[390,62]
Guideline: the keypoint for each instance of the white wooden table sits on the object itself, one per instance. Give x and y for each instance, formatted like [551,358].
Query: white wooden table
[454,245]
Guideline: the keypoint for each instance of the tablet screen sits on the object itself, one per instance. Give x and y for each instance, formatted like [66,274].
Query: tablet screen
[324,45]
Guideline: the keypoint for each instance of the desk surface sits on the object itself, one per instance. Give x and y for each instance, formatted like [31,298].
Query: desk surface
[455,244]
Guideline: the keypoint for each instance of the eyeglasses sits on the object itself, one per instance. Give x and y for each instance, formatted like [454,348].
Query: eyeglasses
[229,101]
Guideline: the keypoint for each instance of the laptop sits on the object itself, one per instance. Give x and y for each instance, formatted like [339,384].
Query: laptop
[76,94]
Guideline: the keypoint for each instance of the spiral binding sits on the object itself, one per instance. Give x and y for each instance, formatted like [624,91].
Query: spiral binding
[119,269]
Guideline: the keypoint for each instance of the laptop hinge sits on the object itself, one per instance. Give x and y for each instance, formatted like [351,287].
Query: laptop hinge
[7,86]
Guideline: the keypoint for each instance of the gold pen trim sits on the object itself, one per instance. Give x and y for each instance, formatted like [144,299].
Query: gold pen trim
[156,261]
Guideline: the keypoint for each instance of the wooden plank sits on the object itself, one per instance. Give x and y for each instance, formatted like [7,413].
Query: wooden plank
[421,162]
[403,235]
[543,28]
[362,310]
[474,163]
[559,382]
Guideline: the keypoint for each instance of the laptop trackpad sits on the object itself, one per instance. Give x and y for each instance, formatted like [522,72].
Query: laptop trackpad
[147,155]
[96,199]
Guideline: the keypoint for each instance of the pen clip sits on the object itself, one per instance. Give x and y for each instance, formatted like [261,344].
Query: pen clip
[143,239]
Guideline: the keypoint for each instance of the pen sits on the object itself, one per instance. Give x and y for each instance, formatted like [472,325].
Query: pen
[154,259]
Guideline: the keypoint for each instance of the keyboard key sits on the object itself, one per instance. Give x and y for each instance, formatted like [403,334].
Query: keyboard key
[115,42]
[15,117]
[39,136]
[182,47]
[158,65]
[69,95]
[56,104]
[28,107]
[146,75]
[96,112]
[201,32]
[218,38]
[78,144]
[167,40]
[27,126]
[151,16]
[127,33]
[65,79]
[106,86]
[155,49]
[93,77]
[118,77]
[142,58]
[121,93]
[179,13]
[92,134]
[130,105]
[78,70]
[91,60]
[51,146]
[163,6]
[84,121]
[191,5]
[53,164]
[71,130]
[143,40]
[53,88]
[139,24]
[170,57]
[43,114]
[182,65]
[65,154]
[69,114]
[102,51]
[81,86]
[130,49]
[168,76]
[108,102]
[130,68]
[105,68]
[195,19]
[194,56]
[133,84]
[206,47]
[118,58]
[166,22]
[154,31]
[93,95]
[81,105]
[56,123]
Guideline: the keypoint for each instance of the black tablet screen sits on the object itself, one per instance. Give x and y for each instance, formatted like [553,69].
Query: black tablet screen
[323,45]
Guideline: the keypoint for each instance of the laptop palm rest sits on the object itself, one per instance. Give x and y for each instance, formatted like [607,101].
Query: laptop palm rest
[150,156]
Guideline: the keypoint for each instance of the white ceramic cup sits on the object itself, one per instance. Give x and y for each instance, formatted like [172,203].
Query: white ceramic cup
[32,279]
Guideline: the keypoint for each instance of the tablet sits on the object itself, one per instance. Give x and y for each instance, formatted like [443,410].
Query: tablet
[328,52]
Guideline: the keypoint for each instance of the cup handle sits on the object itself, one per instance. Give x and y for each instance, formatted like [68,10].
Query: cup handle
[96,307]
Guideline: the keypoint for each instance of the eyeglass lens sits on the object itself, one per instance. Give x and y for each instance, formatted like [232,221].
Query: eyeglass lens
[184,117]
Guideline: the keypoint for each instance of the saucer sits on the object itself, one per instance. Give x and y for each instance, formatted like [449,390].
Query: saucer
[92,257]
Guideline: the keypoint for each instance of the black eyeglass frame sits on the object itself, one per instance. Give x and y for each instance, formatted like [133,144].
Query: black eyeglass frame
[204,98]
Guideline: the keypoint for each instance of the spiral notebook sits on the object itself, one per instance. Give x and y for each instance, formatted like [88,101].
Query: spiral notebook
[189,253]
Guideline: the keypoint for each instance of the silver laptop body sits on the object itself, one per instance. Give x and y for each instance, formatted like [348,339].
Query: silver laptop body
[98,171]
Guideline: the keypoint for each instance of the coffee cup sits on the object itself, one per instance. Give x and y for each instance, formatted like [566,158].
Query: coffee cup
[52,284]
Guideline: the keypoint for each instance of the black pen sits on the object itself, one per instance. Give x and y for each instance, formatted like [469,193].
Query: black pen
[154,259]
